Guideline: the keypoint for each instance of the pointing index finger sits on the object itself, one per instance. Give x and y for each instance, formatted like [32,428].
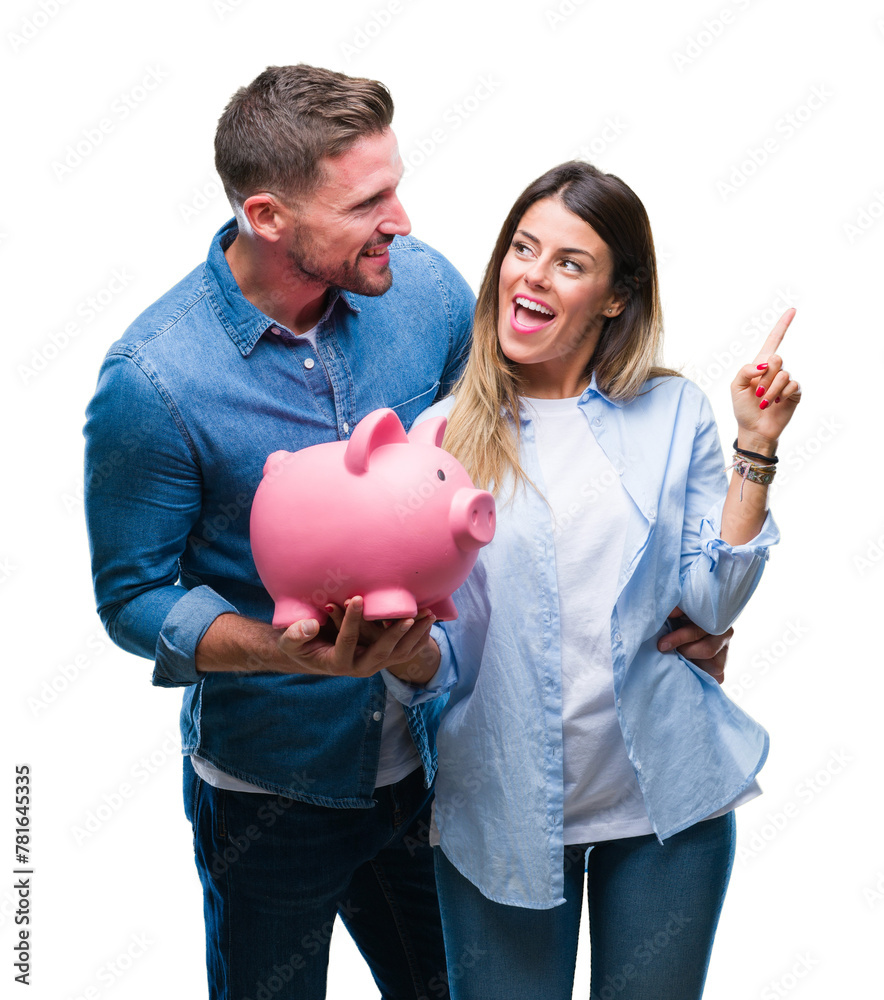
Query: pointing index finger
[775,336]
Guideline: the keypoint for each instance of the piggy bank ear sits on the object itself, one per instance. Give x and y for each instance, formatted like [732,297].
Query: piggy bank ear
[380,427]
[429,432]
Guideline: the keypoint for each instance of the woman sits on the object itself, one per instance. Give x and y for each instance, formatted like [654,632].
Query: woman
[567,734]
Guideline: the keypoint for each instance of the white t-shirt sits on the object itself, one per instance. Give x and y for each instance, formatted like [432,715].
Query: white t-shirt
[589,511]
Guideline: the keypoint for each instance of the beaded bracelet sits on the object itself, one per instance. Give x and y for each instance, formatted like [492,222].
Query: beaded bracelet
[761,474]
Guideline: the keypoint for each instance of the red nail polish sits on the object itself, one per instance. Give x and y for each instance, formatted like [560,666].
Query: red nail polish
[760,391]
[763,404]
[777,399]
[761,367]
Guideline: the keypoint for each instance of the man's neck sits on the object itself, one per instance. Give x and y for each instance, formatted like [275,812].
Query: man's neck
[267,281]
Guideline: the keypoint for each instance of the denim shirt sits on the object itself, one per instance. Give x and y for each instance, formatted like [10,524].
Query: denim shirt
[190,402]
[499,790]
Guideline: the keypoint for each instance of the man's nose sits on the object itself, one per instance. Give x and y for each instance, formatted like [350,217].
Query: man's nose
[397,222]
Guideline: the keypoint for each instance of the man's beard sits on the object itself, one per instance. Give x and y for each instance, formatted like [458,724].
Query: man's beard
[344,275]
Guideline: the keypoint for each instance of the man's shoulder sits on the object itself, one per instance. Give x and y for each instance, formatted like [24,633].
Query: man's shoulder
[411,254]
[170,315]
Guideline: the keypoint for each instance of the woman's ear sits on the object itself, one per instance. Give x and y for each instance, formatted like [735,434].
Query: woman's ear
[615,306]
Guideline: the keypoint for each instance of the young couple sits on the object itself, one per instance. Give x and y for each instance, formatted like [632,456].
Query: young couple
[567,734]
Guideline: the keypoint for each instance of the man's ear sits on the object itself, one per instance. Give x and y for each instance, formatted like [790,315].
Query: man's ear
[266,216]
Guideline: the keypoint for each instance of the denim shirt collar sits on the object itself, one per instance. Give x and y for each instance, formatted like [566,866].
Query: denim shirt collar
[244,322]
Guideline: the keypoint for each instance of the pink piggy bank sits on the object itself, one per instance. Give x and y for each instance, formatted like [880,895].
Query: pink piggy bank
[388,516]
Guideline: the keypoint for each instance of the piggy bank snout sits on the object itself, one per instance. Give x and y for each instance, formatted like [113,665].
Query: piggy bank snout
[472,518]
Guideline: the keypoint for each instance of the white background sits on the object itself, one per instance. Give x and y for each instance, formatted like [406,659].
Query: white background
[679,99]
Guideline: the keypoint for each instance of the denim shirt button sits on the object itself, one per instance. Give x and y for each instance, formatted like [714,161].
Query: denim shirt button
[377,716]
[309,363]
[346,427]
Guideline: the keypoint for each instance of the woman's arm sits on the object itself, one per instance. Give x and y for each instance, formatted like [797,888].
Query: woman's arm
[764,397]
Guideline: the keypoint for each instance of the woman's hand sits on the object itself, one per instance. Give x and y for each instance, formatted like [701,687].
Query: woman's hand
[765,395]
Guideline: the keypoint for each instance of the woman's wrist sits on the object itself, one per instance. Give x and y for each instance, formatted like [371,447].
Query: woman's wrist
[756,443]
[421,668]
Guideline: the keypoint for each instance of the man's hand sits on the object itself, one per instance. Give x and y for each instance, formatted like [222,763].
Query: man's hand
[361,647]
[708,652]
[420,658]
[237,644]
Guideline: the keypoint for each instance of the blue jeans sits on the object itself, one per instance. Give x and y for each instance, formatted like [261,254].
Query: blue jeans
[653,910]
[276,872]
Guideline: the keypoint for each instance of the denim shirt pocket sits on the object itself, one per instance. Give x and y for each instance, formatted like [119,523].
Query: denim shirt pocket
[410,409]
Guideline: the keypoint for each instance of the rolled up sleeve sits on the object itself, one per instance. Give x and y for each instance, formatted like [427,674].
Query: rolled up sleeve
[441,682]
[717,579]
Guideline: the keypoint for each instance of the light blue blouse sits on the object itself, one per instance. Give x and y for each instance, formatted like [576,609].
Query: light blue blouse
[499,791]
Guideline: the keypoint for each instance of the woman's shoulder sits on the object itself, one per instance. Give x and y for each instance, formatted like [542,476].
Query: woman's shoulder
[670,388]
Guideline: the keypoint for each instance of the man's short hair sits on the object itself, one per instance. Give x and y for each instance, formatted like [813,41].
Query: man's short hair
[275,131]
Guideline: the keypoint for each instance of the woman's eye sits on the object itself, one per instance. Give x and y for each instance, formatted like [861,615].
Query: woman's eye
[521,248]
[571,265]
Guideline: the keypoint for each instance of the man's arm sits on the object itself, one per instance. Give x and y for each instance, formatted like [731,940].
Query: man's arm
[143,496]
[360,648]
[708,652]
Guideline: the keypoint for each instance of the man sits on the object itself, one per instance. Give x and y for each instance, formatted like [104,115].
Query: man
[307,787]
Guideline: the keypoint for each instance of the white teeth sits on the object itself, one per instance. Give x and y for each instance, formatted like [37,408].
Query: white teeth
[536,306]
